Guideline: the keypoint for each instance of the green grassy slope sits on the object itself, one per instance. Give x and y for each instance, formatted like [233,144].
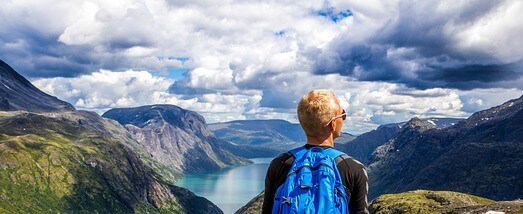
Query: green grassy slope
[421,201]
[79,162]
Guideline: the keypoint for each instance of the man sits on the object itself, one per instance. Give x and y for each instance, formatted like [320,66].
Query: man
[321,118]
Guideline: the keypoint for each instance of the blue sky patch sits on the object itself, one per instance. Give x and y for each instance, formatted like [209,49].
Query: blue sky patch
[177,73]
[171,73]
[334,16]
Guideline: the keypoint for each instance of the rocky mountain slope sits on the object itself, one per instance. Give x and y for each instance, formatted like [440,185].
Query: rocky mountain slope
[344,138]
[17,93]
[480,155]
[364,145]
[77,161]
[175,137]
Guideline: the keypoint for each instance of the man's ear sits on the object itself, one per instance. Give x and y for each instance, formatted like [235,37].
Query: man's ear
[332,126]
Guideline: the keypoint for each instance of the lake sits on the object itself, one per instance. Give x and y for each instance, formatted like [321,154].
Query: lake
[229,188]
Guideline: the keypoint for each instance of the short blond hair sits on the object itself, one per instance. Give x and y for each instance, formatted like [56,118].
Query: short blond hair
[315,110]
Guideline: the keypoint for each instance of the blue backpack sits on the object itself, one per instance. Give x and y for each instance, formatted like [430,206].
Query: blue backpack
[313,184]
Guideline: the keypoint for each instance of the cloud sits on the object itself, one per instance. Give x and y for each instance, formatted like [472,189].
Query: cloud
[386,60]
[461,45]
[368,104]
[103,90]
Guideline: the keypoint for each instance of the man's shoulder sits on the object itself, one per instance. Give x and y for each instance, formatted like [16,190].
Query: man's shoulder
[349,161]
[282,159]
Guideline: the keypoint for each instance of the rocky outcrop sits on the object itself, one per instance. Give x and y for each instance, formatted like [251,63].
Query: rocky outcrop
[17,93]
[480,155]
[175,137]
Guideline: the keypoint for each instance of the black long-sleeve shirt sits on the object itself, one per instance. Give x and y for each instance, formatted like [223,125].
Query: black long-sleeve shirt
[353,174]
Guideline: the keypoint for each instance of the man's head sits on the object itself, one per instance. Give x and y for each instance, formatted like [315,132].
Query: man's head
[319,113]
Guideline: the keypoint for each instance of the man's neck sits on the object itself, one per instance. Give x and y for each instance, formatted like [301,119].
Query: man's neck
[329,141]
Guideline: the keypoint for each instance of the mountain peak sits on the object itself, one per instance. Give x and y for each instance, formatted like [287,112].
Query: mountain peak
[418,123]
[17,93]
[175,137]
[151,115]
[505,110]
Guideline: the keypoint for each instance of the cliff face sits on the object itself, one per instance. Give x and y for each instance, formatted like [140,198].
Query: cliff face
[175,137]
[17,93]
[480,155]
[79,162]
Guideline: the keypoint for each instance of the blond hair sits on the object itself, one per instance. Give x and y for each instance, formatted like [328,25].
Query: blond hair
[315,110]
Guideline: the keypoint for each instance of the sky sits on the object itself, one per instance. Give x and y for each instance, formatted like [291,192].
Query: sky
[387,61]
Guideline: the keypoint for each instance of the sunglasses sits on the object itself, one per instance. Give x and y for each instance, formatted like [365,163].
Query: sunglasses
[343,116]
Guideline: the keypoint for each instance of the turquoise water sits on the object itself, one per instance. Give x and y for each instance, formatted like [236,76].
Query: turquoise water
[229,188]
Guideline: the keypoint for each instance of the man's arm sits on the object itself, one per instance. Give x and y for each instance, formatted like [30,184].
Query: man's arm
[358,200]
[268,198]
[276,175]
[355,181]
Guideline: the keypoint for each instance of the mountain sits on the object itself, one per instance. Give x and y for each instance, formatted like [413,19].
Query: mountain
[248,151]
[175,137]
[276,134]
[79,162]
[59,160]
[17,93]
[421,201]
[254,206]
[364,145]
[480,155]
[344,138]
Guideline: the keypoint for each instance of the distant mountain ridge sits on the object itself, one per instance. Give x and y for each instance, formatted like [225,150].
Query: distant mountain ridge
[176,137]
[363,146]
[17,93]
[266,137]
[276,134]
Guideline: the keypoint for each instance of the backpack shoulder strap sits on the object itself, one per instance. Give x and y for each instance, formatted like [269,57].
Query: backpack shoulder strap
[333,153]
[341,158]
[298,152]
